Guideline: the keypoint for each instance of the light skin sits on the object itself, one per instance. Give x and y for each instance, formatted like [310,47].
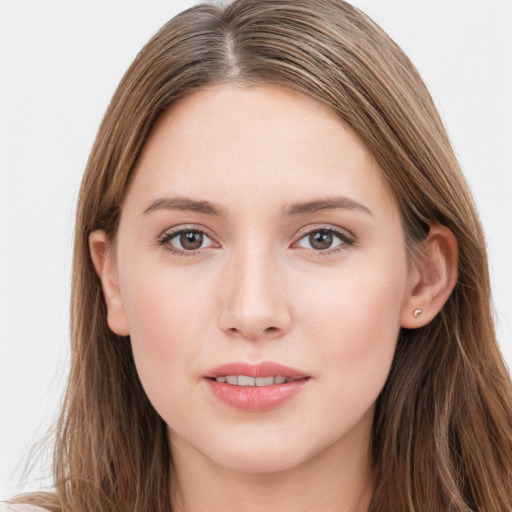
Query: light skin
[259,228]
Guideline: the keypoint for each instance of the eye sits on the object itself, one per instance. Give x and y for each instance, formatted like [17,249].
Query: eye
[324,239]
[186,240]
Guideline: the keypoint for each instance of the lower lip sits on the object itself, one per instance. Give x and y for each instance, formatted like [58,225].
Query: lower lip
[256,398]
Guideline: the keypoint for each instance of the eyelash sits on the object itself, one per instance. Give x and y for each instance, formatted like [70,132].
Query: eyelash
[165,239]
[346,240]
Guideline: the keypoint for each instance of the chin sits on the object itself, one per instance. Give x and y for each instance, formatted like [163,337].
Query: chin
[260,454]
[263,461]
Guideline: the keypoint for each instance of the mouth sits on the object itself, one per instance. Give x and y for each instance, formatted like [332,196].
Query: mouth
[247,381]
[246,373]
[255,387]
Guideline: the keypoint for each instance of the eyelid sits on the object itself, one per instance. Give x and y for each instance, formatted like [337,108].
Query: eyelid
[344,235]
[173,232]
[187,227]
[347,238]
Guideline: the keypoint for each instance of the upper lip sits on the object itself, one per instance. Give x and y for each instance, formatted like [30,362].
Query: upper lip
[264,369]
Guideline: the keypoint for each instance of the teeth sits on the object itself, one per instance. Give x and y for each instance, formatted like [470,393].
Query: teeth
[264,381]
[243,380]
[246,381]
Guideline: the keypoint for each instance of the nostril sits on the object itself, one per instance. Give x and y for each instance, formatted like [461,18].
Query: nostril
[269,331]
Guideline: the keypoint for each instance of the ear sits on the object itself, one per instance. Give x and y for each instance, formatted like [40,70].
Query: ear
[432,277]
[105,266]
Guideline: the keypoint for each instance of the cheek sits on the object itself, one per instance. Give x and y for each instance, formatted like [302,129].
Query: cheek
[166,324]
[357,322]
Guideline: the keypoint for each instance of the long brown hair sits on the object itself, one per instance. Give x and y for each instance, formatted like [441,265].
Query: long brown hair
[442,431]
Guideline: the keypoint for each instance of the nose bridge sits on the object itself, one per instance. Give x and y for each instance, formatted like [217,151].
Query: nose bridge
[255,303]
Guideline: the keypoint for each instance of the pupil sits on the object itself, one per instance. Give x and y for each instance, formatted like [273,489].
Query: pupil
[191,240]
[320,240]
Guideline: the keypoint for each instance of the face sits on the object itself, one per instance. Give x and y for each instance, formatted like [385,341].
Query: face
[261,272]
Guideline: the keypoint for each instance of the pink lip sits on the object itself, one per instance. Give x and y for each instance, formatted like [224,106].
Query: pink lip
[255,398]
[264,369]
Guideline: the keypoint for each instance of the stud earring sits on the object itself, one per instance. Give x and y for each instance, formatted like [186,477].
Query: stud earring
[417,313]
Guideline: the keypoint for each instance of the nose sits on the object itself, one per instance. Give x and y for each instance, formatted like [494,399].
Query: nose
[255,299]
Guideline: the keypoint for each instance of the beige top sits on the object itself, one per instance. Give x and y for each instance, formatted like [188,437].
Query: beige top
[7,507]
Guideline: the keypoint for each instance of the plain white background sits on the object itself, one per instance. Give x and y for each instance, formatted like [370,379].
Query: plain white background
[60,62]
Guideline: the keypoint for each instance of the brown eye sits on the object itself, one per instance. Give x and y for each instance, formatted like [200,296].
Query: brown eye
[325,239]
[191,240]
[321,240]
[186,241]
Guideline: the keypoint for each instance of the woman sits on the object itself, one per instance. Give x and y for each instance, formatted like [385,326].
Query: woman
[280,294]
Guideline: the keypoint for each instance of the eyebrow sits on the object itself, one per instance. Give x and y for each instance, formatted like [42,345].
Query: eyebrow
[294,209]
[329,203]
[184,204]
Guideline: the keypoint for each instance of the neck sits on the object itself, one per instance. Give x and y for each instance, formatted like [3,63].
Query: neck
[336,480]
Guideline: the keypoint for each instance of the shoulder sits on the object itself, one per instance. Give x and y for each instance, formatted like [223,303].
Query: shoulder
[19,507]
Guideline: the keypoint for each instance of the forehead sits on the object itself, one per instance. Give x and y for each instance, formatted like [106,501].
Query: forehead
[260,141]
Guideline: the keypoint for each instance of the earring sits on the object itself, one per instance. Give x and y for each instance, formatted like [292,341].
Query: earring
[417,313]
